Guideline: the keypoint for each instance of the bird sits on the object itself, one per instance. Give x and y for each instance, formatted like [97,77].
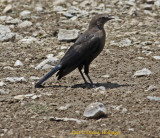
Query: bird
[85,49]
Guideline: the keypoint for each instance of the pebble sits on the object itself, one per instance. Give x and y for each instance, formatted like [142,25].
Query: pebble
[28,40]
[95,110]
[156,57]
[16,79]
[8,8]
[151,88]
[125,42]
[2,92]
[67,35]
[62,108]
[38,9]
[157,3]
[25,14]
[25,24]
[153,98]
[8,67]
[51,61]
[6,34]
[19,97]
[100,88]
[143,72]
[47,66]
[49,55]
[2,83]
[18,63]
[34,78]
[63,47]
[106,76]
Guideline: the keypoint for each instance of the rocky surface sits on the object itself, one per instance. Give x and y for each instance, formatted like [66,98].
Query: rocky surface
[132,44]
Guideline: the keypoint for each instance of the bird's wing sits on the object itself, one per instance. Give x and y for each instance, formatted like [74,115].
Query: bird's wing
[82,47]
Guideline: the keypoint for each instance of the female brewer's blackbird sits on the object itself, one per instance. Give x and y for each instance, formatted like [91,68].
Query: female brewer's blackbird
[86,48]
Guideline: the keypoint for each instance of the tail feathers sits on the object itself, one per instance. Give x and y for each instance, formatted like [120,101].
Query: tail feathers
[48,75]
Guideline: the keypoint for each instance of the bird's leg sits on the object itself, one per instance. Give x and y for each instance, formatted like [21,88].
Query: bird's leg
[86,71]
[80,68]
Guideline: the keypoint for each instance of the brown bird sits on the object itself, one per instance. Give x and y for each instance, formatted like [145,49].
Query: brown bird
[86,48]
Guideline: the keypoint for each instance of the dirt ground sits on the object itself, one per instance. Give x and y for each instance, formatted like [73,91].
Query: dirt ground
[130,112]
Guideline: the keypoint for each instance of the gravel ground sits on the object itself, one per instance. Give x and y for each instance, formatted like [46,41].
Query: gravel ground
[31,35]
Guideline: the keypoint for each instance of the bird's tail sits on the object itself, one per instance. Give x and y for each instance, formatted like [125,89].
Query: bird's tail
[49,74]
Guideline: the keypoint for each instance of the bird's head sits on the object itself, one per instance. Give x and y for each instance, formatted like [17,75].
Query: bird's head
[100,19]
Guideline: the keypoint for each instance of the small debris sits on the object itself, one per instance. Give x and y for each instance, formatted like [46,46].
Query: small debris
[25,24]
[95,110]
[38,9]
[18,63]
[2,92]
[106,76]
[8,67]
[125,42]
[67,35]
[19,97]
[25,14]
[28,40]
[153,98]
[156,57]
[67,119]
[2,84]
[131,129]
[143,72]
[15,79]
[100,88]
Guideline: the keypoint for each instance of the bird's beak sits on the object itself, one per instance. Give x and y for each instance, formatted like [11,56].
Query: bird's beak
[109,17]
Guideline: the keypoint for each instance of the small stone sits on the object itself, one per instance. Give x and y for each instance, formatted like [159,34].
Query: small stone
[95,110]
[8,67]
[15,79]
[143,72]
[151,88]
[13,21]
[2,92]
[62,108]
[124,110]
[25,24]
[8,8]
[63,47]
[51,61]
[153,98]
[2,83]
[106,76]
[18,63]
[19,97]
[6,34]
[156,57]
[125,42]
[38,9]
[131,129]
[47,66]
[67,35]
[35,97]
[28,95]
[157,3]
[34,78]
[25,14]
[49,55]
[100,88]
[28,40]
[68,15]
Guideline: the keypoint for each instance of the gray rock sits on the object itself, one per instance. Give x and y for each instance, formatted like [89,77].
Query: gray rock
[13,21]
[59,9]
[8,8]
[2,84]
[153,98]
[2,92]
[51,61]
[18,63]
[25,24]
[143,72]
[156,57]
[157,3]
[8,67]
[100,88]
[47,66]
[38,9]
[65,107]
[95,110]
[68,15]
[6,34]
[25,14]
[16,79]
[125,42]
[67,35]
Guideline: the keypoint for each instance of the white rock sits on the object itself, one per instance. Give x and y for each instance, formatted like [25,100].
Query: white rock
[25,14]
[15,79]
[49,55]
[125,42]
[153,98]
[51,61]
[100,88]
[6,34]
[8,8]
[106,76]
[47,66]
[28,95]
[65,107]
[8,67]
[13,21]
[67,35]
[34,78]
[156,57]
[63,47]
[157,3]
[28,40]
[35,97]
[38,9]
[131,129]
[25,24]
[19,97]
[124,110]
[2,84]
[143,72]
[2,92]
[18,63]
[95,110]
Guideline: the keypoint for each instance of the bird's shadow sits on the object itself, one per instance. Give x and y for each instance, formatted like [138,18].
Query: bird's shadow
[107,85]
